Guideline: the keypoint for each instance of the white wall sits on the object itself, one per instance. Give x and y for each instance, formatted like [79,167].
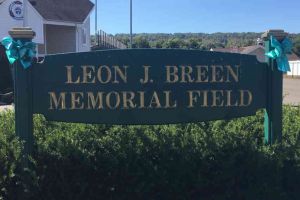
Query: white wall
[36,22]
[295,68]
[81,47]
[7,22]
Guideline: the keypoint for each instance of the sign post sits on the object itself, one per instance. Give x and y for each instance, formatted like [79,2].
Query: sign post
[273,112]
[23,95]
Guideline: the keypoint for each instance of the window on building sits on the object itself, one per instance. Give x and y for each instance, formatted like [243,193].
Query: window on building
[83,36]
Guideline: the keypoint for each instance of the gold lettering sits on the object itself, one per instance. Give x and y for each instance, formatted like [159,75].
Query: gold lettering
[205,97]
[69,76]
[217,99]
[217,74]
[146,74]
[76,101]
[108,100]
[128,98]
[228,94]
[234,74]
[95,103]
[202,74]
[155,101]
[168,100]
[142,99]
[120,73]
[59,103]
[242,100]
[87,76]
[193,97]
[104,69]
[172,77]
[186,72]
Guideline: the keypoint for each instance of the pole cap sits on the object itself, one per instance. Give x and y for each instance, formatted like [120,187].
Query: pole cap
[279,34]
[22,33]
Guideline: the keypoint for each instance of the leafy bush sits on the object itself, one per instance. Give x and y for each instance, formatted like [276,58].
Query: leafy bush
[207,160]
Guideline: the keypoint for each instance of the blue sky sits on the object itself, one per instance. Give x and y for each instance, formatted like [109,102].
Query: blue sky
[207,16]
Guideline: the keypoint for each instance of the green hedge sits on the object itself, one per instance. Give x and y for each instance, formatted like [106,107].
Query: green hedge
[209,160]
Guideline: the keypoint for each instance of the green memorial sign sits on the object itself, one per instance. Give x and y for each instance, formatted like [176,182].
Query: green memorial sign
[147,86]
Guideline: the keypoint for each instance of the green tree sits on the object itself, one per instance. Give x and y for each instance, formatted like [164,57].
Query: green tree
[175,43]
[124,41]
[159,44]
[193,43]
[296,47]
[141,42]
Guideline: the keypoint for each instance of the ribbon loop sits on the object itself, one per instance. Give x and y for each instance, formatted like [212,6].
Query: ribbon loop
[280,53]
[18,50]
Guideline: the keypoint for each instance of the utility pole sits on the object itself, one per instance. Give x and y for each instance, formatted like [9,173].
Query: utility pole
[96,16]
[131,24]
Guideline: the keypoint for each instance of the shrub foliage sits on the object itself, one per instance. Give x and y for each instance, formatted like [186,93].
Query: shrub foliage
[207,160]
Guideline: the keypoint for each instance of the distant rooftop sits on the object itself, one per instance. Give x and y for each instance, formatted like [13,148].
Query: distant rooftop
[63,10]
[293,57]
[252,50]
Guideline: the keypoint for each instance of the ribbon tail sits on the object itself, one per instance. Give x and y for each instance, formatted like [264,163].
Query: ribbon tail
[7,42]
[11,59]
[26,64]
[283,64]
[286,64]
[22,52]
[31,54]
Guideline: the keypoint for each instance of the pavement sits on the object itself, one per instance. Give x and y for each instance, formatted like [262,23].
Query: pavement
[291,93]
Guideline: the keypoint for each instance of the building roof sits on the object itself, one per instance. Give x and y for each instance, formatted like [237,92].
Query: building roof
[251,50]
[63,10]
[293,57]
[242,50]
[229,50]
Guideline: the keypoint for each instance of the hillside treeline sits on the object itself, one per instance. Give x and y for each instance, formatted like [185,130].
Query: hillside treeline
[200,41]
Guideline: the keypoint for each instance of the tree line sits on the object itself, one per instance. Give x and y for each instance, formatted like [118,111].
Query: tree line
[201,41]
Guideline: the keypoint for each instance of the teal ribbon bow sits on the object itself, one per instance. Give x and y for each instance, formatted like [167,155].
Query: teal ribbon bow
[280,53]
[18,50]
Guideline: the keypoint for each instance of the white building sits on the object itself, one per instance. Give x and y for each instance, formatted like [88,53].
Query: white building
[294,61]
[60,25]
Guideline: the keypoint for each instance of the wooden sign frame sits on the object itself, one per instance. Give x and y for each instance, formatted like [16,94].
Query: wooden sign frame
[30,85]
